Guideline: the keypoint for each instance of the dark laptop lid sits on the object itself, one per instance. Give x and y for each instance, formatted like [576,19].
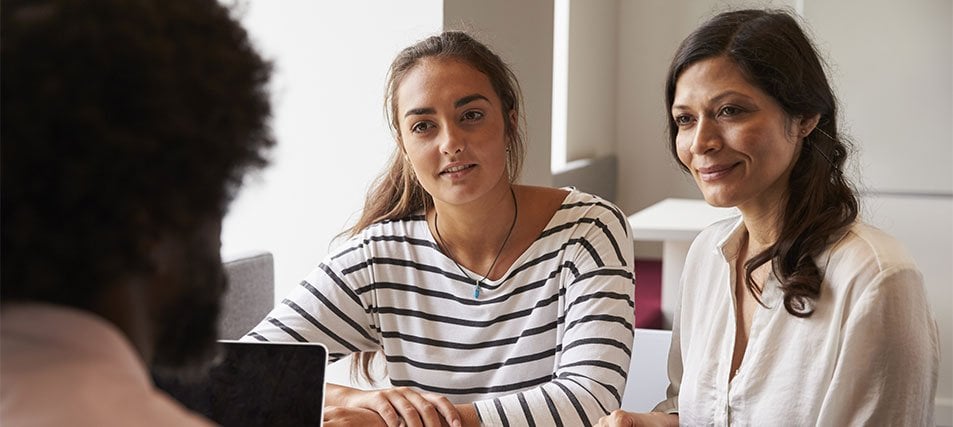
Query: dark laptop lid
[257,384]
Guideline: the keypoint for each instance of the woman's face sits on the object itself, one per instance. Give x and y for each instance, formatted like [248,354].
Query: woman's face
[452,131]
[736,140]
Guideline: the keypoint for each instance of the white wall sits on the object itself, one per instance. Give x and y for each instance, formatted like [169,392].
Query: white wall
[892,69]
[331,59]
[591,79]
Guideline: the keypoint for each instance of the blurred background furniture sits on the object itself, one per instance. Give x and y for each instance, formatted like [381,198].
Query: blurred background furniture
[594,176]
[250,295]
[675,223]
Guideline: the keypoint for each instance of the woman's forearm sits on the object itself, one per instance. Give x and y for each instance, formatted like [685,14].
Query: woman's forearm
[336,395]
[468,415]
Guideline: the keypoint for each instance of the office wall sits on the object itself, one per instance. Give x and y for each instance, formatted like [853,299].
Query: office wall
[591,79]
[330,59]
[892,68]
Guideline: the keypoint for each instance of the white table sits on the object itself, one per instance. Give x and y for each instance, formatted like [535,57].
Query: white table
[675,223]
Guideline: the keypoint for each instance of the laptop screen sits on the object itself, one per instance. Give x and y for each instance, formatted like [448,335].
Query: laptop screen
[257,384]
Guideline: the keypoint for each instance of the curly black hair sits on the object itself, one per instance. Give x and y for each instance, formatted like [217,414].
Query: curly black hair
[121,120]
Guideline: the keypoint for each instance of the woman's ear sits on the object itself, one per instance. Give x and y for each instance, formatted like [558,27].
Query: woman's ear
[514,120]
[806,125]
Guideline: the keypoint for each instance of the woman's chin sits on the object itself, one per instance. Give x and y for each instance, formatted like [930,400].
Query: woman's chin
[719,200]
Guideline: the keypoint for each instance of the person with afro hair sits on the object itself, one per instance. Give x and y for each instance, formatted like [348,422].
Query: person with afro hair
[127,128]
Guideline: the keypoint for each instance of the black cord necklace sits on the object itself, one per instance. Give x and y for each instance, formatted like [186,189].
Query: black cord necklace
[476,283]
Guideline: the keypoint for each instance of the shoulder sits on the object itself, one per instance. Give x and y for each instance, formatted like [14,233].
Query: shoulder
[385,235]
[868,248]
[584,204]
[866,260]
[411,225]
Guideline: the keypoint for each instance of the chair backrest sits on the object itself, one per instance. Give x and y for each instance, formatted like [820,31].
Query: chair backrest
[250,295]
[595,176]
[648,370]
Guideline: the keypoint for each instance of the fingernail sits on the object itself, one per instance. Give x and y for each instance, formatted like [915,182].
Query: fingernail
[456,423]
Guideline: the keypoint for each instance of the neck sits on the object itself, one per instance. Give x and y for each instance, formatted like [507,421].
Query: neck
[475,232]
[763,223]
[763,231]
[125,306]
[481,253]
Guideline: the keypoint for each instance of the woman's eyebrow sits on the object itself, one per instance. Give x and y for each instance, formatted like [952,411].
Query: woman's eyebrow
[459,103]
[715,99]
[419,111]
[468,99]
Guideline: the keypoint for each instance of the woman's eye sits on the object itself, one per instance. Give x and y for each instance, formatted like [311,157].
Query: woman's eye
[421,127]
[683,120]
[729,110]
[472,115]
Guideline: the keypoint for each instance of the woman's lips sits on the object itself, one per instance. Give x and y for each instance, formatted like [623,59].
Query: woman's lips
[713,173]
[457,170]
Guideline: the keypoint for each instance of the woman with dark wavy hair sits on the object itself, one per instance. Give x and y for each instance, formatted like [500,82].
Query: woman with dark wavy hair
[490,302]
[795,312]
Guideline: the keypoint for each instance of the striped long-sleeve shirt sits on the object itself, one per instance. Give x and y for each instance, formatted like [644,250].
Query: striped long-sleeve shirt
[547,344]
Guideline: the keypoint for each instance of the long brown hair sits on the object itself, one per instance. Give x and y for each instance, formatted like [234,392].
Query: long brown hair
[396,193]
[774,53]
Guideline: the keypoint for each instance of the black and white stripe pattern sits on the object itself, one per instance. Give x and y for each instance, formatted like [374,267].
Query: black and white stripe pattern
[548,344]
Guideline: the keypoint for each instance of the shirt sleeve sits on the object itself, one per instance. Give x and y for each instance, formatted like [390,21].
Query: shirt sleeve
[326,308]
[597,333]
[886,373]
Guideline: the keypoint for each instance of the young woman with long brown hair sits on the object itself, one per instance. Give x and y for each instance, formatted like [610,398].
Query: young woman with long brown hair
[490,301]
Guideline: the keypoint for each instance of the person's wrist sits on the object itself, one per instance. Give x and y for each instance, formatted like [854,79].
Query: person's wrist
[468,415]
[338,395]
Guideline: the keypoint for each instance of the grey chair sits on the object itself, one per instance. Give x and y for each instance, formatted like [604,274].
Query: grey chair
[250,295]
[595,176]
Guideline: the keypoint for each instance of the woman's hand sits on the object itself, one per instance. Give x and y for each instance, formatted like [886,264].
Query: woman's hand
[402,406]
[620,418]
[340,416]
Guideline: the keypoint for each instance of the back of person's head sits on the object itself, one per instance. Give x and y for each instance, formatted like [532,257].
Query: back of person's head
[396,193]
[124,121]
[773,52]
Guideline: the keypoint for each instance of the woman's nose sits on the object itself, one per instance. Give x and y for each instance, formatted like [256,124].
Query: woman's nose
[707,137]
[453,140]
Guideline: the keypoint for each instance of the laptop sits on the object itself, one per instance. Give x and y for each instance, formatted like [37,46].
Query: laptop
[257,384]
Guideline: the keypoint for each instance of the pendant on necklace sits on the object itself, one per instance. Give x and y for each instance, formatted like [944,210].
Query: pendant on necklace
[476,289]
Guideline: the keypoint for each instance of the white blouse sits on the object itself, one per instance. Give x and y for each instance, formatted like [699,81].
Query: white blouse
[869,354]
